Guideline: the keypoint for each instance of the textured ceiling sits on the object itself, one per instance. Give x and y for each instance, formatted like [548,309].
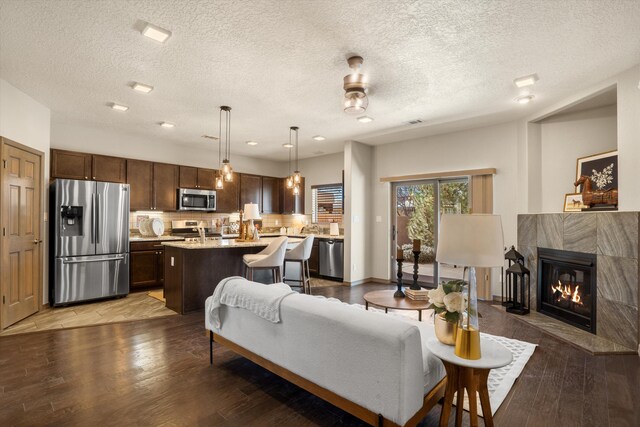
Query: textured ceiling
[280,63]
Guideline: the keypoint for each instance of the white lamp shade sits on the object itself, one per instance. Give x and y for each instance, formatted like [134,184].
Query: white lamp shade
[471,240]
[251,211]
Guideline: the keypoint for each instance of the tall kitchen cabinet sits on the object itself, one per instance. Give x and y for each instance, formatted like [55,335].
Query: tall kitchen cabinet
[228,199]
[153,185]
[291,204]
[83,166]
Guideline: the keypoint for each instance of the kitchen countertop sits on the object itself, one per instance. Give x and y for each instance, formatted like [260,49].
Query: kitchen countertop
[153,238]
[302,236]
[226,243]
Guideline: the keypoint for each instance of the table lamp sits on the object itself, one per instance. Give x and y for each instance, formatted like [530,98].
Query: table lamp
[470,241]
[251,212]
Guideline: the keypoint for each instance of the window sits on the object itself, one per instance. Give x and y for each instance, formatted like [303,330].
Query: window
[327,203]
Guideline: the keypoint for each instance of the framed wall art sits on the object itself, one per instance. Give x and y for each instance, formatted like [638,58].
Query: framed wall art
[602,170]
[573,202]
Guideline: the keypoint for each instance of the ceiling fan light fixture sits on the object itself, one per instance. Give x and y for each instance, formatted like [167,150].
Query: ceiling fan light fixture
[355,98]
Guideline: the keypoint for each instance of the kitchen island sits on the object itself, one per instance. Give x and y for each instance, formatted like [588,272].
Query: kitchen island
[192,270]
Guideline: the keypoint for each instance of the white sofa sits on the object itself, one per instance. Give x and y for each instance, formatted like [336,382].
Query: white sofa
[373,365]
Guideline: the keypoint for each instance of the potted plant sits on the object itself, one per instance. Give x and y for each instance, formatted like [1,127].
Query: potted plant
[448,303]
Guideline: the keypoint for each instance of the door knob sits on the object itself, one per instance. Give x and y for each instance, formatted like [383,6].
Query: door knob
[35,242]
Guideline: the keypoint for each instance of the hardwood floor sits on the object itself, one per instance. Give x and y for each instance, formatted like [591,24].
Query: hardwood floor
[156,372]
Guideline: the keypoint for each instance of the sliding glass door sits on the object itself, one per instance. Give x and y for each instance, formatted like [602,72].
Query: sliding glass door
[416,210]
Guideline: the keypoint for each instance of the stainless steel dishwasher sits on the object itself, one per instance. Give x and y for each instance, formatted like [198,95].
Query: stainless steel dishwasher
[331,258]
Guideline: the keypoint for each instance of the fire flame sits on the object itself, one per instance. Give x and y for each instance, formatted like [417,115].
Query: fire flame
[567,293]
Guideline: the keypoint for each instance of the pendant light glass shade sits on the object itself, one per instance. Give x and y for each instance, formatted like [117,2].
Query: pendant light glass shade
[219,182]
[289,182]
[296,189]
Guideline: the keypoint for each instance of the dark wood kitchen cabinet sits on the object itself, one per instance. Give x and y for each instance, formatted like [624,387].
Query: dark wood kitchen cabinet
[291,204]
[314,259]
[271,194]
[108,168]
[165,186]
[228,199]
[70,165]
[191,177]
[83,166]
[147,265]
[140,180]
[251,190]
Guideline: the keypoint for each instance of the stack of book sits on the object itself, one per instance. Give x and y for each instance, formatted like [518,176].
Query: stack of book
[421,295]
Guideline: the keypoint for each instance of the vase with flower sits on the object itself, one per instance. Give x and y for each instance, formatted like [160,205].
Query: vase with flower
[448,302]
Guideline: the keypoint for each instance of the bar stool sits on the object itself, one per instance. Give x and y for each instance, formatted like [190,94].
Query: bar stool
[270,258]
[301,254]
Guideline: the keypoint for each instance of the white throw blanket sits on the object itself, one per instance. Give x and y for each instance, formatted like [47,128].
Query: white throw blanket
[262,300]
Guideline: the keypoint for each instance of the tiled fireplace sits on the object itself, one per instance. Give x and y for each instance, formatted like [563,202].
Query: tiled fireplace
[610,240]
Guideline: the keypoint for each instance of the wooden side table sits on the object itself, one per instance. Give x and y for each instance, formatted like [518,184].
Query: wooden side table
[469,374]
[386,300]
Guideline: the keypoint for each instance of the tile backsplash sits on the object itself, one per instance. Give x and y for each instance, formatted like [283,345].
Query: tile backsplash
[268,220]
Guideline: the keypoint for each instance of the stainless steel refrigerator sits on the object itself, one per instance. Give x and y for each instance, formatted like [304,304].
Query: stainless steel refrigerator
[89,241]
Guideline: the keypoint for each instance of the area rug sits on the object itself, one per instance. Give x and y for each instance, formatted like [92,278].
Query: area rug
[500,380]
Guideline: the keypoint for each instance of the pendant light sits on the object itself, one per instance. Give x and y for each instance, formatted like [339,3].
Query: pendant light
[289,179]
[219,175]
[297,178]
[227,170]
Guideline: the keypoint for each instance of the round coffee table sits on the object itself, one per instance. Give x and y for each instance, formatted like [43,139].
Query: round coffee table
[386,300]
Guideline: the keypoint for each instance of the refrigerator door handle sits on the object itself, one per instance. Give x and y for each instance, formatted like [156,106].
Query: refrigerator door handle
[93,219]
[69,261]
[97,211]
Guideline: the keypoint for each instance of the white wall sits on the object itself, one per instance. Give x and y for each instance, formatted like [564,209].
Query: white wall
[628,135]
[26,121]
[109,141]
[565,138]
[320,170]
[358,174]
[488,147]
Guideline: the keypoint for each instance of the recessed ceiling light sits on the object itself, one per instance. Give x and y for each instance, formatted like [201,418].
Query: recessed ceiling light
[167,125]
[252,143]
[319,138]
[118,107]
[215,138]
[526,80]
[287,145]
[365,119]
[141,87]
[524,99]
[156,33]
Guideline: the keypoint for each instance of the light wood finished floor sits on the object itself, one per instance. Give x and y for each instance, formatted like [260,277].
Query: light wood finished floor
[136,306]
[156,372]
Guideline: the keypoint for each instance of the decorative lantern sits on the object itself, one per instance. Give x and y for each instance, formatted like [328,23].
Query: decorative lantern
[520,280]
[512,256]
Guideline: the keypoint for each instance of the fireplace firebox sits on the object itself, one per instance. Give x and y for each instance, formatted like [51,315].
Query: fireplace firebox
[567,287]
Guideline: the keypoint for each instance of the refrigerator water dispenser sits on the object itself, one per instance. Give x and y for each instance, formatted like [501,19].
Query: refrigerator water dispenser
[71,220]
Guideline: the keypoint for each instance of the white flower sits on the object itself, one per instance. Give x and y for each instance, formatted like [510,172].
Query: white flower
[436,296]
[455,302]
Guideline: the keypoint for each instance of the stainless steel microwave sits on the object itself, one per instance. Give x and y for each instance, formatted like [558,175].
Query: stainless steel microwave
[196,200]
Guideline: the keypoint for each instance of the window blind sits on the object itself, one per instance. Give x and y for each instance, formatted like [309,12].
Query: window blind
[327,203]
